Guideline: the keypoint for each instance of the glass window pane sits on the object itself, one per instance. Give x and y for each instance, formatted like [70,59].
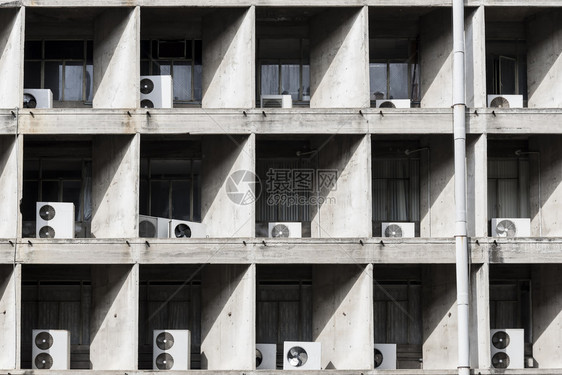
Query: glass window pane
[398,81]
[171,49]
[50,191]
[306,82]
[32,49]
[508,74]
[377,78]
[182,80]
[145,49]
[143,197]
[64,49]
[145,67]
[90,50]
[160,197]
[29,198]
[198,50]
[67,169]
[71,193]
[53,78]
[32,75]
[89,82]
[197,82]
[31,169]
[73,77]
[170,167]
[269,79]
[290,80]
[180,199]
[161,67]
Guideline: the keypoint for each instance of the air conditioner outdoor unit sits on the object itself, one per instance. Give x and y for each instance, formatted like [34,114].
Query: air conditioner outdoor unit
[505,101]
[156,92]
[171,349]
[153,227]
[393,103]
[385,356]
[398,229]
[287,230]
[507,348]
[266,356]
[50,349]
[37,98]
[298,355]
[276,101]
[187,229]
[509,227]
[54,220]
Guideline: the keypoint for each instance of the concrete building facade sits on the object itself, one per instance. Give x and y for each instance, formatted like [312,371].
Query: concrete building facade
[336,163]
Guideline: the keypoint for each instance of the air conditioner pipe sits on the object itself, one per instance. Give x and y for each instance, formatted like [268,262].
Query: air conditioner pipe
[461,245]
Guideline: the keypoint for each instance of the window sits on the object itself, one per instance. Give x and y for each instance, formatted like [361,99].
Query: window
[64,66]
[508,187]
[507,71]
[182,59]
[57,180]
[284,68]
[170,188]
[394,69]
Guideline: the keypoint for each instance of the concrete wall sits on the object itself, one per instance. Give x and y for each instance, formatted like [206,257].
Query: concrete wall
[116,58]
[115,184]
[480,316]
[343,315]
[114,318]
[228,317]
[439,313]
[229,45]
[10,305]
[11,56]
[339,58]
[347,207]
[436,59]
[227,202]
[547,315]
[439,220]
[544,60]
[477,185]
[9,186]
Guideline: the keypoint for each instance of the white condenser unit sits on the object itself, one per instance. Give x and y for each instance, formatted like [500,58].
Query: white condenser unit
[153,227]
[276,101]
[54,220]
[37,98]
[171,349]
[285,230]
[299,355]
[398,229]
[505,101]
[385,356]
[50,349]
[187,229]
[507,348]
[266,356]
[393,103]
[509,227]
[156,92]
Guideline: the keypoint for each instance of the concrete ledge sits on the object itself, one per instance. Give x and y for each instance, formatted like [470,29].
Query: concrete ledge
[7,250]
[8,122]
[525,250]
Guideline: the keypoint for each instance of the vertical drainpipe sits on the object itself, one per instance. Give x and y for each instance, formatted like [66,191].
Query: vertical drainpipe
[461,245]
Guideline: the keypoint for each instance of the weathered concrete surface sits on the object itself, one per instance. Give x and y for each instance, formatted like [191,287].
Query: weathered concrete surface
[544,59]
[11,56]
[339,59]
[228,317]
[114,317]
[343,315]
[480,316]
[475,57]
[115,184]
[477,182]
[10,321]
[9,175]
[229,58]
[346,208]
[116,58]
[227,204]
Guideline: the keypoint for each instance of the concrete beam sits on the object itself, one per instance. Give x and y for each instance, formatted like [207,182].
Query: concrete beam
[544,59]
[339,59]
[11,56]
[228,317]
[343,315]
[10,320]
[228,186]
[115,183]
[116,58]
[344,208]
[9,177]
[114,317]
[229,42]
